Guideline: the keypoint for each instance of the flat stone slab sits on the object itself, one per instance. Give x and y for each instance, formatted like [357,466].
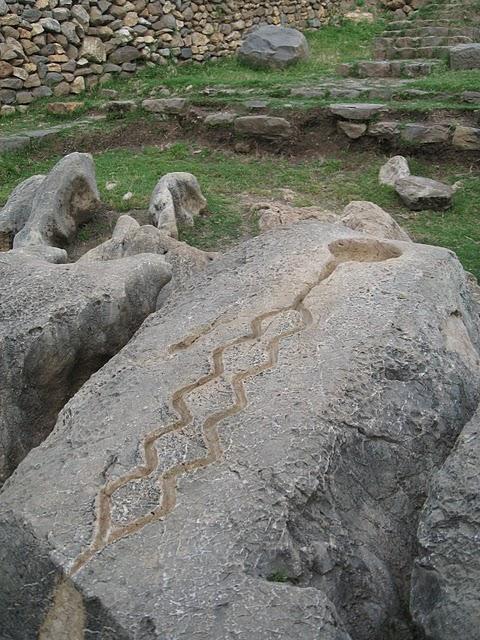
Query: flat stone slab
[358,111]
[269,127]
[419,193]
[250,465]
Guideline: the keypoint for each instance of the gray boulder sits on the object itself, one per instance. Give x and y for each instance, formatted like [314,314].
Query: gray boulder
[271,47]
[423,193]
[18,209]
[59,324]
[393,170]
[465,56]
[368,217]
[268,127]
[67,198]
[252,463]
[176,199]
[446,576]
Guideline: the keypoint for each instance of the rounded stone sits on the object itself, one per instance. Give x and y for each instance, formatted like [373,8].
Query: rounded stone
[272,47]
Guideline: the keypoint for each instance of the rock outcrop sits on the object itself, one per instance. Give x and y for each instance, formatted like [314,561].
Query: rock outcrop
[369,218]
[252,463]
[18,210]
[272,47]
[446,576]
[176,199]
[130,239]
[67,197]
[59,324]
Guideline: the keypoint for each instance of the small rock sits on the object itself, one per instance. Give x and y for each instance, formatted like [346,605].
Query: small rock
[127,196]
[393,170]
[425,133]
[419,193]
[120,106]
[62,108]
[467,138]
[268,127]
[472,97]
[7,110]
[170,106]
[352,130]
[357,111]
[384,129]
[220,119]
[242,146]
[359,16]
[50,24]
[110,186]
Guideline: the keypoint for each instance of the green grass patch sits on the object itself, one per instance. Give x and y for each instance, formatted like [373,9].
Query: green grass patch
[226,177]
[450,81]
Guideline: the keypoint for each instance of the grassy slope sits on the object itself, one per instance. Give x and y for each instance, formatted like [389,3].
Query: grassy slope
[224,177]
[329,46]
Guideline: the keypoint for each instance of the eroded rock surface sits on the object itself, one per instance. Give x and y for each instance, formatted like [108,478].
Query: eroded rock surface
[58,324]
[130,239]
[446,577]
[177,198]
[18,209]
[369,218]
[253,461]
[66,198]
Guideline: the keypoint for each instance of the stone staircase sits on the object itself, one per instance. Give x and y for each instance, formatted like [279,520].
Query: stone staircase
[417,47]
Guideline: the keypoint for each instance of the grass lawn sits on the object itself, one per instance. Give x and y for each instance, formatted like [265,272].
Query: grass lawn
[224,177]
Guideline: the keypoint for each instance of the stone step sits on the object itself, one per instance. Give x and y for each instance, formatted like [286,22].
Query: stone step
[390,68]
[396,25]
[423,32]
[413,53]
[389,44]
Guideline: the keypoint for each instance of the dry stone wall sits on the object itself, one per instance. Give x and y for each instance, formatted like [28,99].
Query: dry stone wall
[62,47]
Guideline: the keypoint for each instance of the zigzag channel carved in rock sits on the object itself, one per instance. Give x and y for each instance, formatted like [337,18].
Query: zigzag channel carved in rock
[105,533]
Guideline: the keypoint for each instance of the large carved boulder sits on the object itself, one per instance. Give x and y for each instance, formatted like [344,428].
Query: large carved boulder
[66,198]
[252,463]
[271,47]
[59,324]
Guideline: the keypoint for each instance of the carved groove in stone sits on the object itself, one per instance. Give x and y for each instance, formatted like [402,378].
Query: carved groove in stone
[364,250]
